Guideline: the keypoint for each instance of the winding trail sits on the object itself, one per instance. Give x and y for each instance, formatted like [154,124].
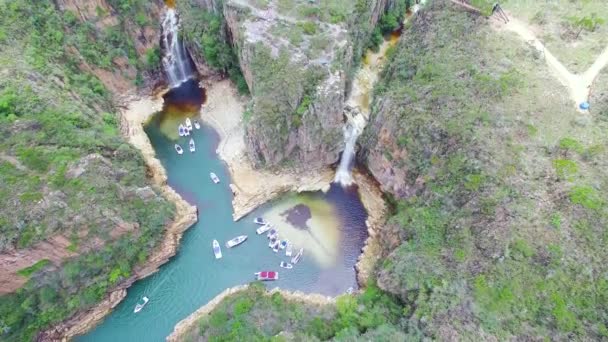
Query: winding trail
[579,85]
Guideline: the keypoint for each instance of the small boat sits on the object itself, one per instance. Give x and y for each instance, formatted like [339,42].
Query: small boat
[263,229]
[217,250]
[286,265]
[181,130]
[272,243]
[298,256]
[186,132]
[189,124]
[197,125]
[283,244]
[214,177]
[350,290]
[236,241]
[179,149]
[260,221]
[140,306]
[267,275]
[275,248]
[191,144]
[272,233]
[288,250]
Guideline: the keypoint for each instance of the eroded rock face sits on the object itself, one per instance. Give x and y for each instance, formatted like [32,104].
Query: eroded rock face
[298,69]
[103,16]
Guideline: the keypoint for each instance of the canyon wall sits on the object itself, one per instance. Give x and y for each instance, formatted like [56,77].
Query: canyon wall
[298,69]
[133,29]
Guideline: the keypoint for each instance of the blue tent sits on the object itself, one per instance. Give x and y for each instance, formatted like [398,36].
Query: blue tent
[584,105]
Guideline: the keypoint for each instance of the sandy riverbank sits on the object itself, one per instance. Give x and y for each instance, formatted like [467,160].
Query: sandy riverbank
[187,324]
[252,188]
[133,117]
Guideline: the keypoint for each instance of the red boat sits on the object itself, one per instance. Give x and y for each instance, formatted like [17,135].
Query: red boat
[267,275]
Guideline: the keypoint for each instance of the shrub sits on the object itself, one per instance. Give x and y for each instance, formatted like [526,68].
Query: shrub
[586,196]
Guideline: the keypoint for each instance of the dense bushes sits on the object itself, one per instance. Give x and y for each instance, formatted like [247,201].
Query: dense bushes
[207,32]
[55,119]
[254,314]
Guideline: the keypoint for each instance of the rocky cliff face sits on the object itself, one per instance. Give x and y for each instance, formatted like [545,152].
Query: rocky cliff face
[297,62]
[134,28]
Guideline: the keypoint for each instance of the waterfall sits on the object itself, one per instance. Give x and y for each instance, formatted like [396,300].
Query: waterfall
[175,59]
[352,130]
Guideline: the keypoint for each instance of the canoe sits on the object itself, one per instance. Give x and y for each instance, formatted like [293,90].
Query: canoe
[140,306]
[214,177]
[263,229]
[260,221]
[298,256]
[289,250]
[267,275]
[179,149]
[236,241]
[217,250]
[191,144]
[286,265]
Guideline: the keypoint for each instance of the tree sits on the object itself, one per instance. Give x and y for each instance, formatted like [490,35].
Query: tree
[590,23]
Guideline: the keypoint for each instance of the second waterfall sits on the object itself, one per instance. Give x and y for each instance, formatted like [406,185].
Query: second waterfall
[176,61]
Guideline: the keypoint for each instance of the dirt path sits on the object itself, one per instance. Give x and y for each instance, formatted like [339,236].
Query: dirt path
[579,85]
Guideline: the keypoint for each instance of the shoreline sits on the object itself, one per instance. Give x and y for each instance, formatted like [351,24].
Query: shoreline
[251,187]
[184,325]
[136,113]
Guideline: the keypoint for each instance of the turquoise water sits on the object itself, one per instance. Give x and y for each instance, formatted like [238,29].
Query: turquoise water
[333,240]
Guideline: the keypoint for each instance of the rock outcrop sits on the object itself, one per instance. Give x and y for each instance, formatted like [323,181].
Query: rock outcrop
[298,68]
[141,30]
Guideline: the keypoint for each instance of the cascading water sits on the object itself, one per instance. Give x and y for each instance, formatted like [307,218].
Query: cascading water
[175,60]
[352,130]
[357,106]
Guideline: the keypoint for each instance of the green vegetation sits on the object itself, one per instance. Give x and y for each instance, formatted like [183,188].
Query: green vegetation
[254,314]
[65,171]
[472,237]
[28,271]
[206,31]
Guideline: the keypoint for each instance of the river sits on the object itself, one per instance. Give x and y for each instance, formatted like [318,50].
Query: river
[331,228]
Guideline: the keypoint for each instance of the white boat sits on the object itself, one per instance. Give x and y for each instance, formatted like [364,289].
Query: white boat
[350,290]
[179,149]
[236,241]
[275,248]
[140,306]
[263,229]
[191,144]
[283,244]
[189,124]
[298,256]
[274,245]
[186,132]
[272,233]
[288,250]
[197,125]
[273,242]
[260,221]
[217,250]
[286,265]
[181,130]
[214,177]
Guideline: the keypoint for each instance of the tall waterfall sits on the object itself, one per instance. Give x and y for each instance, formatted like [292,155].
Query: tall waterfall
[352,130]
[175,59]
